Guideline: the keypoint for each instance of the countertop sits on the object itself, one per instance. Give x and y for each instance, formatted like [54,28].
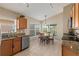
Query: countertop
[12,38]
[71,42]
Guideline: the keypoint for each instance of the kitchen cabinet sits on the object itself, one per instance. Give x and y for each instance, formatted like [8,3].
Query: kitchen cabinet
[77,54]
[13,45]
[21,23]
[6,47]
[75,15]
[16,45]
[66,51]
[0,50]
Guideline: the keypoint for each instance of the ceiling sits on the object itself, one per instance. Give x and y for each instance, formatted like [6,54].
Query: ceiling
[35,10]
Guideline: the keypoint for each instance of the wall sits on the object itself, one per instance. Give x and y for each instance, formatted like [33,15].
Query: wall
[61,20]
[7,20]
[7,14]
[4,21]
[57,19]
[66,15]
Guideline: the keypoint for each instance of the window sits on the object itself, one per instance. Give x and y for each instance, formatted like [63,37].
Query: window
[48,28]
[34,29]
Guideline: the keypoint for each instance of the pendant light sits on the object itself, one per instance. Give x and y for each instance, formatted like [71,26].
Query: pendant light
[45,18]
[27,4]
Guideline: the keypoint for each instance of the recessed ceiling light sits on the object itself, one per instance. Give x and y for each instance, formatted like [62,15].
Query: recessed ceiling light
[51,5]
[27,4]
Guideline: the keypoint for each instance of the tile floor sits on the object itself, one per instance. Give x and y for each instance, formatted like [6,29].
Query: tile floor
[37,49]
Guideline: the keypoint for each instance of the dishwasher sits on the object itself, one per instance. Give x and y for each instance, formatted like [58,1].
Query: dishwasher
[25,42]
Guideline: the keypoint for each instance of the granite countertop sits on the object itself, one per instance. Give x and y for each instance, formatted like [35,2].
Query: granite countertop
[8,38]
[71,42]
[12,38]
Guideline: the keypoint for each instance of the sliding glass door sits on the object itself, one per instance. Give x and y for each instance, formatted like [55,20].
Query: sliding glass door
[34,29]
[47,28]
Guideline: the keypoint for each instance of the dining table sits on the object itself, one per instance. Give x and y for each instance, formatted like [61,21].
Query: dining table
[46,39]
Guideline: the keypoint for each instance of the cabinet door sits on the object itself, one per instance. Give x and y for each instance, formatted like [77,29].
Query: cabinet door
[16,45]
[6,47]
[67,52]
[22,23]
[76,14]
[0,50]
[77,54]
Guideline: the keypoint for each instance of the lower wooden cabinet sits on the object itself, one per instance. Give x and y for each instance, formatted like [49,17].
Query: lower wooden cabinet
[66,51]
[0,50]
[16,45]
[10,46]
[6,47]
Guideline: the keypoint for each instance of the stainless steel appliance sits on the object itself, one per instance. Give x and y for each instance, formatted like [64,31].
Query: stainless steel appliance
[25,42]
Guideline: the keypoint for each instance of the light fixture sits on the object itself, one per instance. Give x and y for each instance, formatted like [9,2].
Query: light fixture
[51,5]
[45,19]
[27,5]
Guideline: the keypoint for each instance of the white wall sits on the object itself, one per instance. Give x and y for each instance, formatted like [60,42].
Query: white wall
[7,14]
[66,16]
[57,19]
[7,17]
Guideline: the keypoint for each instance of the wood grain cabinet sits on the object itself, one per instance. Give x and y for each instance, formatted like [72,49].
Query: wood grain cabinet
[16,45]
[10,46]
[21,22]
[0,50]
[66,51]
[6,47]
[75,15]
[77,54]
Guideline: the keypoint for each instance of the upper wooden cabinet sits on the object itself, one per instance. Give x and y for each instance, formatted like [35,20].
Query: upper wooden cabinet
[21,22]
[75,15]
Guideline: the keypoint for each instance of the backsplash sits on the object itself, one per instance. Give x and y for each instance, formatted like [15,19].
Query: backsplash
[21,31]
